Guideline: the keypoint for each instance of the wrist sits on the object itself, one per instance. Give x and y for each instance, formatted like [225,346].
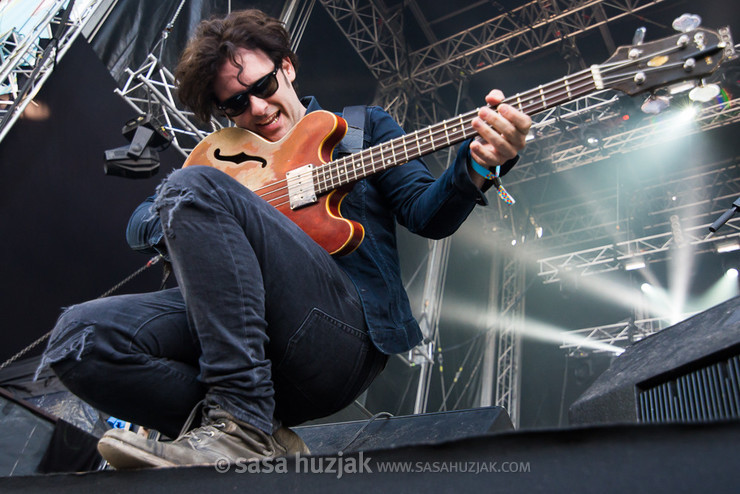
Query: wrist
[491,176]
[483,171]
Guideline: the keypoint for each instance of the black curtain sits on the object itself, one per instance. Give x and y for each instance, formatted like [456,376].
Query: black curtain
[134,27]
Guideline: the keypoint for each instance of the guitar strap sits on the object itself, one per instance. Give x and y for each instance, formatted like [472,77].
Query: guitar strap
[353,139]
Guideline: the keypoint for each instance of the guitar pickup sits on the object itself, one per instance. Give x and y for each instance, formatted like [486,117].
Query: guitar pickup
[301,188]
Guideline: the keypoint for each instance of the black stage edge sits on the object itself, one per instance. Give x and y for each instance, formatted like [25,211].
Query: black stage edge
[409,430]
[617,458]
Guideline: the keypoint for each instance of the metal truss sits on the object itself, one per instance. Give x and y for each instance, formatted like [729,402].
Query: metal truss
[618,335]
[564,149]
[517,32]
[508,347]
[377,36]
[696,194]
[526,29]
[29,59]
[405,75]
[431,303]
[150,89]
[597,106]
[375,33]
[614,256]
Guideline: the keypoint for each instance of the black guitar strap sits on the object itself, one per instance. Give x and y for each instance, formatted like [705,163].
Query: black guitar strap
[352,141]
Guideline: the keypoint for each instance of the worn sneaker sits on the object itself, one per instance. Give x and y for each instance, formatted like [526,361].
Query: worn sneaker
[221,437]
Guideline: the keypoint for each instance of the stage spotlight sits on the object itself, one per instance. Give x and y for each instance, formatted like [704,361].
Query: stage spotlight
[686,22]
[684,116]
[634,264]
[731,273]
[727,246]
[591,137]
[646,287]
[629,113]
[139,159]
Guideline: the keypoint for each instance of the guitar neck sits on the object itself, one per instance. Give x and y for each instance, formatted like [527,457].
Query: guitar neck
[447,133]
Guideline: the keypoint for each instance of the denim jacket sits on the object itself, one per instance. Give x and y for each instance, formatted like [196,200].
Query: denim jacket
[407,194]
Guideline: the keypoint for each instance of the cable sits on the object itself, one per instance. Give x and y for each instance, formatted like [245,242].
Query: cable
[562,393]
[456,378]
[440,362]
[473,374]
[357,434]
[166,31]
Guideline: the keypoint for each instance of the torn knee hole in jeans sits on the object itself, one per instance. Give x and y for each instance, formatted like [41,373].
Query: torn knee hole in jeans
[71,344]
[169,199]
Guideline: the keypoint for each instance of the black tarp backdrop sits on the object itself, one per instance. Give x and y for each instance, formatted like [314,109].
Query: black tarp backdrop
[337,76]
[134,28]
[63,220]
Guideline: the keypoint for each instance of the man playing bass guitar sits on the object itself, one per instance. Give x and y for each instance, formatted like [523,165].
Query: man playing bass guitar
[266,329]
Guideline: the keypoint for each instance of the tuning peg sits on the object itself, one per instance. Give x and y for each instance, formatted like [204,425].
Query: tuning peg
[686,23]
[639,36]
[655,104]
[704,92]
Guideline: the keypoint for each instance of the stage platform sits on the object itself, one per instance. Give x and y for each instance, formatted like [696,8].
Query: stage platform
[615,458]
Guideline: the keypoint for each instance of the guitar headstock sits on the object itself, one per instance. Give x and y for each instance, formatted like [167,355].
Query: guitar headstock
[690,55]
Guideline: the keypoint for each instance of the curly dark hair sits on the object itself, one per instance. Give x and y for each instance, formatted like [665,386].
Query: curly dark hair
[217,40]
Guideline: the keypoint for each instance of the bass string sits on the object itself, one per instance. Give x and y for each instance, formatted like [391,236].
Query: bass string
[372,159]
[340,172]
[329,174]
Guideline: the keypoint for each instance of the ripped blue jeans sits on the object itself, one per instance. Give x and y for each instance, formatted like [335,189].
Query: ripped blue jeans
[263,322]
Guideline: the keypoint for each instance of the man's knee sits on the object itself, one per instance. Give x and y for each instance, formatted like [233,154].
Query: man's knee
[191,179]
[184,187]
[72,340]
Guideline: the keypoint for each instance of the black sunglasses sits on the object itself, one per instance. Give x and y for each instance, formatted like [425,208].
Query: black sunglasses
[263,88]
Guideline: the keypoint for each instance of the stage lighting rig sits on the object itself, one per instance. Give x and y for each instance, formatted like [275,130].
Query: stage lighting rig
[140,159]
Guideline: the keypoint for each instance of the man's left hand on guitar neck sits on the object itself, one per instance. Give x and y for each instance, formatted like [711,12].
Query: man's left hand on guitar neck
[501,135]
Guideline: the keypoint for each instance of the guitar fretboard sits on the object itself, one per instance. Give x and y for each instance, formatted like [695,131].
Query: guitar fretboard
[447,133]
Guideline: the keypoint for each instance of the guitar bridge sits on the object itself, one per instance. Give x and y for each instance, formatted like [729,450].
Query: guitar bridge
[301,189]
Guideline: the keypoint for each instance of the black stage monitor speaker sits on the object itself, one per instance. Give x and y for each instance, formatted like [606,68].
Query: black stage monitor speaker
[394,432]
[689,372]
[35,442]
